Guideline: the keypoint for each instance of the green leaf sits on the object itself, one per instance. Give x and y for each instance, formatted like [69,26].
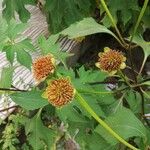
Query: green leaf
[14,29]
[6,77]
[146,17]
[50,46]
[26,45]
[29,100]
[69,12]
[85,27]
[125,124]
[12,6]
[126,8]
[3,35]
[138,39]
[95,142]
[80,129]
[134,101]
[10,53]
[69,112]
[87,76]
[24,58]
[146,83]
[38,134]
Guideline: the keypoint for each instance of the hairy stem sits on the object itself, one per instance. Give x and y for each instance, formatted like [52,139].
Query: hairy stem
[101,122]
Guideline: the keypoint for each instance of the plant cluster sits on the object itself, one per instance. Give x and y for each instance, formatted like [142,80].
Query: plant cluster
[72,107]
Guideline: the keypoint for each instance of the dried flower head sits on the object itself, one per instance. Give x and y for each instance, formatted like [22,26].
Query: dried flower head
[43,66]
[60,92]
[111,61]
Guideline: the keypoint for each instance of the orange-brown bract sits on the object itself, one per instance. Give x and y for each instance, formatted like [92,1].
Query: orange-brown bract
[111,61]
[60,92]
[43,66]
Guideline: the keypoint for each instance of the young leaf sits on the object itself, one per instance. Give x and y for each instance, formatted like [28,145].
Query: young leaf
[29,100]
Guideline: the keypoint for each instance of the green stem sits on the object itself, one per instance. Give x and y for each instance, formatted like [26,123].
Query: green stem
[139,18]
[142,66]
[147,95]
[112,21]
[101,122]
[125,79]
[94,92]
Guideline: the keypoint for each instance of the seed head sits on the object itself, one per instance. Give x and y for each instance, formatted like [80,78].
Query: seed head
[111,61]
[43,66]
[60,92]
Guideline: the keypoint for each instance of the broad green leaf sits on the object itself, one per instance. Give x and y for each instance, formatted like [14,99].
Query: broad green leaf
[125,124]
[69,12]
[87,139]
[85,27]
[95,142]
[39,135]
[29,100]
[138,39]
[12,6]
[24,58]
[80,130]
[6,77]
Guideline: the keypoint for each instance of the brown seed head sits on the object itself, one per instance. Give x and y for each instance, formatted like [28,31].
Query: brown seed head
[43,66]
[111,60]
[60,92]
